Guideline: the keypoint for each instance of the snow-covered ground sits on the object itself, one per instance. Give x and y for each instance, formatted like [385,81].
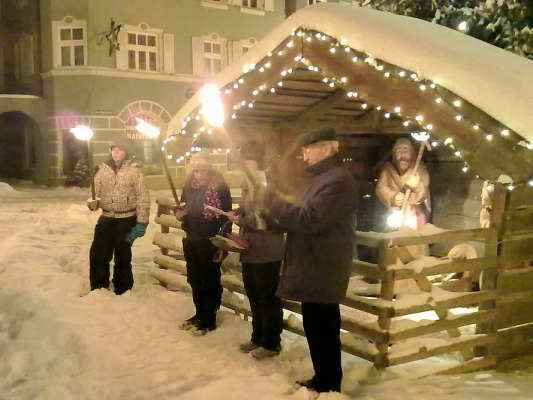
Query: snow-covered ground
[58,341]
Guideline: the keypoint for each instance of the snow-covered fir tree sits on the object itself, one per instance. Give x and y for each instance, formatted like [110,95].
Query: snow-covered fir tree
[80,176]
[507,24]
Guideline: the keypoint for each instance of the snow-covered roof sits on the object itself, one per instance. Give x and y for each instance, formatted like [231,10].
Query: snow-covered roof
[496,81]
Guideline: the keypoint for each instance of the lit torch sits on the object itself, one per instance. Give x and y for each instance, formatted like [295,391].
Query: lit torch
[85,134]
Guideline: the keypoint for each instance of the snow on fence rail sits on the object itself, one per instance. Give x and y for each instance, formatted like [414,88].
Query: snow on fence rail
[383,329]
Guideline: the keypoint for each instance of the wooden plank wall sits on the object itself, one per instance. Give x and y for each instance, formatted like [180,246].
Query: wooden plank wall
[514,308]
[456,198]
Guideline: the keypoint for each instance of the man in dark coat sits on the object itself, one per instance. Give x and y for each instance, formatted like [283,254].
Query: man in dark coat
[320,241]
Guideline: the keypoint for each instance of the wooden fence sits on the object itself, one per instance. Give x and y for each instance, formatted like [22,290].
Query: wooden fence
[385,330]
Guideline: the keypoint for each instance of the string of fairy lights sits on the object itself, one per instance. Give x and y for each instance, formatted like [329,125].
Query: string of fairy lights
[341,48]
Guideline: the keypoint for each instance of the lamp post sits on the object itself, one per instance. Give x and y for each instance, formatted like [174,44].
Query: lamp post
[85,134]
[153,132]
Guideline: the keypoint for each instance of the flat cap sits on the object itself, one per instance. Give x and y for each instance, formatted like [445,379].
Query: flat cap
[319,135]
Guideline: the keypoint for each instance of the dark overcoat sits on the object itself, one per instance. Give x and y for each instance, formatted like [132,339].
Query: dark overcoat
[320,235]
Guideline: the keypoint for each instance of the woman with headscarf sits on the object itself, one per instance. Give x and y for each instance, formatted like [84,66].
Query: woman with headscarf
[204,186]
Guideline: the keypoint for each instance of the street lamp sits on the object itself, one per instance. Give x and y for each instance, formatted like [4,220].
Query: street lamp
[85,134]
[153,132]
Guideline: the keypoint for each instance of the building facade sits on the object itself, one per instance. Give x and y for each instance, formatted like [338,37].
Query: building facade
[102,63]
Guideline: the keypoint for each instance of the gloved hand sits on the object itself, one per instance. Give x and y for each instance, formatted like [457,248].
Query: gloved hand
[93,204]
[136,232]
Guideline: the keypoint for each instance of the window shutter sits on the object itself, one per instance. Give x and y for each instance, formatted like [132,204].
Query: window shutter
[122,54]
[27,63]
[56,42]
[168,53]
[18,60]
[269,5]
[197,56]
[234,50]
[224,55]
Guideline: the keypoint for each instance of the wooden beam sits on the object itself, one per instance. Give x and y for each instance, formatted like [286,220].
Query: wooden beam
[312,114]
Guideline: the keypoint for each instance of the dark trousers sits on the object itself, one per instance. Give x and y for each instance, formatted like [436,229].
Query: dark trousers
[322,323]
[261,282]
[110,239]
[204,277]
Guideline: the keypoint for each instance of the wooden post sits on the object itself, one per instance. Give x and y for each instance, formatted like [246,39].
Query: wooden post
[164,229]
[386,259]
[493,247]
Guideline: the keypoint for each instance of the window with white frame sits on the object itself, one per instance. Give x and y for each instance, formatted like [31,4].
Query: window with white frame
[238,48]
[246,45]
[259,4]
[212,57]
[142,51]
[145,49]
[210,54]
[70,42]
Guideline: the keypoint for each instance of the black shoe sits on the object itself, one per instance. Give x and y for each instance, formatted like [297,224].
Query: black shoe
[319,387]
[190,323]
[202,328]
[309,384]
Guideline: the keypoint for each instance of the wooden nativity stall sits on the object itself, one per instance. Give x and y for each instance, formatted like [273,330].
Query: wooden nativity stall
[375,77]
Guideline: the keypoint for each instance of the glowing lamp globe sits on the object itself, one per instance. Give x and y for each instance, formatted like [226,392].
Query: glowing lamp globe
[82,132]
[146,128]
[211,105]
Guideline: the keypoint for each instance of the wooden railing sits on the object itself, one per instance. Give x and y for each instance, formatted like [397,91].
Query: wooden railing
[382,329]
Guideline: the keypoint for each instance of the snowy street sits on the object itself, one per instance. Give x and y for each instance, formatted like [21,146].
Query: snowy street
[58,341]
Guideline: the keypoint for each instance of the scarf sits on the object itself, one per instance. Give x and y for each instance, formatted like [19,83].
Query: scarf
[211,198]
